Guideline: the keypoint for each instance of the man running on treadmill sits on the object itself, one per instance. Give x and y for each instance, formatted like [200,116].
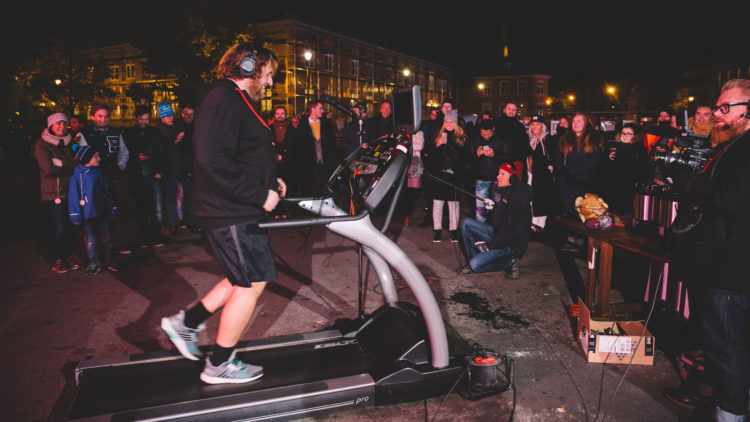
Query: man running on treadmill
[235,183]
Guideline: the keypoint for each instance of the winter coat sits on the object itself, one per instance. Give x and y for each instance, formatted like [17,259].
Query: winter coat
[146,142]
[576,174]
[89,195]
[621,175]
[305,147]
[446,162]
[542,179]
[174,161]
[53,179]
[515,130]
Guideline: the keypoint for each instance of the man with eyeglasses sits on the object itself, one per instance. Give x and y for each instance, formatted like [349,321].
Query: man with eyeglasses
[712,257]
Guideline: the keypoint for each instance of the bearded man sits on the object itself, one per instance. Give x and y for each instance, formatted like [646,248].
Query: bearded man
[235,183]
[713,257]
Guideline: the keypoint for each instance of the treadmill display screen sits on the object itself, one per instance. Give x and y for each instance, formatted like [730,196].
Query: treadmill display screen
[366,179]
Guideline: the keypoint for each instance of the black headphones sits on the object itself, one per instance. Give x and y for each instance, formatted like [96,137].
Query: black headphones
[247,65]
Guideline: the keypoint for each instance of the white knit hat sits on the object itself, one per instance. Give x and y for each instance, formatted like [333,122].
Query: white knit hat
[56,117]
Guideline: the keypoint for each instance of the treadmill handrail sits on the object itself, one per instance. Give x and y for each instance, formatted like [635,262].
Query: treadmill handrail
[308,221]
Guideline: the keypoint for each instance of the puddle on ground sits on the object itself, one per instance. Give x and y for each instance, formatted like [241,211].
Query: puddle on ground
[480,309]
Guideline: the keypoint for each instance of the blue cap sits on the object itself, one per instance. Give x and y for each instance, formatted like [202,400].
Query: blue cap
[165,110]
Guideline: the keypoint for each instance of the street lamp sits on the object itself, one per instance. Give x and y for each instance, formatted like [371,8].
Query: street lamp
[480,85]
[308,57]
[611,90]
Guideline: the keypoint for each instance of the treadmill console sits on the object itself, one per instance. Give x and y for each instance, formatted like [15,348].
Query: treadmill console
[365,179]
[368,174]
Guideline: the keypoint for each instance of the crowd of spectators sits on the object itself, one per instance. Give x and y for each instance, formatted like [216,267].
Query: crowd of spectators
[149,165]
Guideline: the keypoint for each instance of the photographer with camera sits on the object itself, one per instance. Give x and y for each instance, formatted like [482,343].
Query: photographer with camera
[712,256]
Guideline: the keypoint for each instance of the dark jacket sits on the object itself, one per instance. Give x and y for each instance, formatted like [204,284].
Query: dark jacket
[350,136]
[486,168]
[283,150]
[187,148]
[377,126]
[175,161]
[111,147]
[546,197]
[234,166]
[145,143]
[715,253]
[305,148]
[513,129]
[53,180]
[511,218]
[620,175]
[446,162]
[89,195]
[576,173]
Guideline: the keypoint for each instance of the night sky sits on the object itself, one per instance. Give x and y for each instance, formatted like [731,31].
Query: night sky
[628,39]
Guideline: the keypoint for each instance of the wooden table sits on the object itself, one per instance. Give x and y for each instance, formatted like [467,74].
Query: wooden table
[602,243]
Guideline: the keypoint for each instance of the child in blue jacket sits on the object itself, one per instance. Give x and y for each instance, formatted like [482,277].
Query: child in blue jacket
[91,206]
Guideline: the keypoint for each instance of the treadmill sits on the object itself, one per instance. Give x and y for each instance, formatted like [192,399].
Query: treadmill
[401,352]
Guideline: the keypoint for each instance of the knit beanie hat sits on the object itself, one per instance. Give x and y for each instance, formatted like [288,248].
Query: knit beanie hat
[451,115]
[84,154]
[56,117]
[165,110]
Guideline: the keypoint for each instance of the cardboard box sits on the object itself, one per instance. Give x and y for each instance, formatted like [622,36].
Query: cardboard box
[620,348]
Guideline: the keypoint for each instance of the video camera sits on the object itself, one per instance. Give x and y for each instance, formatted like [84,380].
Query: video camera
[688,150]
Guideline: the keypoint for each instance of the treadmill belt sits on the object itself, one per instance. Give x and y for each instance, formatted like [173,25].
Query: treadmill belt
[109,390]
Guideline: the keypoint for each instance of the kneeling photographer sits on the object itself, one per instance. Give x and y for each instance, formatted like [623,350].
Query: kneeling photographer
[712,253]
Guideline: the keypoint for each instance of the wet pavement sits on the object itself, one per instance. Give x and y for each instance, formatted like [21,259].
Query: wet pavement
[50,321]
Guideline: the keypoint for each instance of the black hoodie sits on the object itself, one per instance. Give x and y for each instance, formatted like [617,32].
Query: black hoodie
[234,164]
[511,218]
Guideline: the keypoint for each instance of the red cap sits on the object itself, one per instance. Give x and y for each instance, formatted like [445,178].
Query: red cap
[508,167]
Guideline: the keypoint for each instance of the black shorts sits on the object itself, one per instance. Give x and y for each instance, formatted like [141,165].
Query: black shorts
[244,253]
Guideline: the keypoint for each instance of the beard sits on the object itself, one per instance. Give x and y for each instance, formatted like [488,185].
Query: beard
[725,133]
[257,90]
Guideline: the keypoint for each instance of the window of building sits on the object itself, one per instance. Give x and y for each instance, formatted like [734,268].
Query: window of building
[354,67]
[130,71]
[521,87]
[369,74]
[114,71]
[389,74]
[540,110]
[486,107]
[328,62]
[540,87]
[503,87]
[431,83]
[487,90]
